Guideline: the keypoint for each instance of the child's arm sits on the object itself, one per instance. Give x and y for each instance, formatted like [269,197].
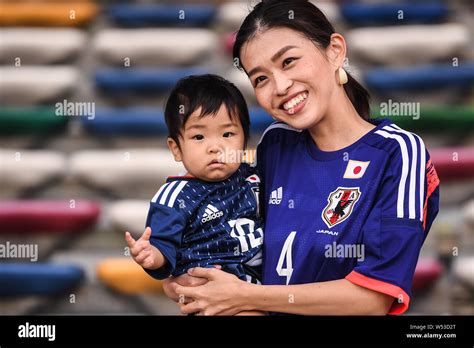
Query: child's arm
[145,254]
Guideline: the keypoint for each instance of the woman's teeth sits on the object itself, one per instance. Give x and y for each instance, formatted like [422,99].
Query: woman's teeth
[295,101]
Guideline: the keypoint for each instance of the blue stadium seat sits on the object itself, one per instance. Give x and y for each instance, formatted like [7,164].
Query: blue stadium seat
[423,78]
[162,15]
[26,279]
[371,14]
[136,121]
[141,80]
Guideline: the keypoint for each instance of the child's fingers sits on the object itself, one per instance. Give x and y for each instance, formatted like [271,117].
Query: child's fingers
[129,239]
[146,235]
[139,247]
[141,257]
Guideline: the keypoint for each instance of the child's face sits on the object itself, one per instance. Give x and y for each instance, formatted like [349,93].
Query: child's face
[211,146]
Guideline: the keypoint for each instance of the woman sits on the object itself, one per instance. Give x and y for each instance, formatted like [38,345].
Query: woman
[347,201]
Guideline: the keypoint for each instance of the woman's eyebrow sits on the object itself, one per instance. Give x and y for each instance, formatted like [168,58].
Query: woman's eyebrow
[277,55]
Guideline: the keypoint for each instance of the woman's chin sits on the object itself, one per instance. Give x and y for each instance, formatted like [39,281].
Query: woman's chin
[299,121]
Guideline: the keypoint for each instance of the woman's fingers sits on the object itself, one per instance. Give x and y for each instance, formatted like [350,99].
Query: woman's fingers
[184,291]
[187,280]
[169,290]
[207,273]
[191,307]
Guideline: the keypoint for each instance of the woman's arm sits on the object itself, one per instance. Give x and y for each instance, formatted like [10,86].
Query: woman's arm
[227,295]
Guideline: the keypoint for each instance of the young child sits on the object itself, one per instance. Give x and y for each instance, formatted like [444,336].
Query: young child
[209,216]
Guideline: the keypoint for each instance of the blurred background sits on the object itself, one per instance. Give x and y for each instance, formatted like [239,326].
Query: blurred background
[82,135]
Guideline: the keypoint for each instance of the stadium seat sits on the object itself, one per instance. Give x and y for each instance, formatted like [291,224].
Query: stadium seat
[23,169]
[26,279]
[154,46]
[40,46]
[411,44]
[129,215]
[232,14]
[137,121]
[142,121]
[66,14]
[390,13]
[141,80]
[240,79]
[28,85]
[127,277]
[468,213]
[259,119]
[421,78]
[119,170]
[132,15]
[47,216]
[454,163]
[434,118]
[30,120]
[463,269]
[426,273]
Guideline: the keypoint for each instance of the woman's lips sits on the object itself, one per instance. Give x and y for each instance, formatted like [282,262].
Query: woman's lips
[296,108]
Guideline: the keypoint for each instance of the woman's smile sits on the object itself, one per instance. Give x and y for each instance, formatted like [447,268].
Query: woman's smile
[295,103]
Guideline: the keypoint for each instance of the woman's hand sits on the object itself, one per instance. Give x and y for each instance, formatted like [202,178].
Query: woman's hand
[183,280]
[223,294]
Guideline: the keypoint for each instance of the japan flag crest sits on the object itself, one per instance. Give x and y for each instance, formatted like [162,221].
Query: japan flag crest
[355,169]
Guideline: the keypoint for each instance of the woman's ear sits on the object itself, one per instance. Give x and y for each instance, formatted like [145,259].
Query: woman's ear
[175,150]
[336,50]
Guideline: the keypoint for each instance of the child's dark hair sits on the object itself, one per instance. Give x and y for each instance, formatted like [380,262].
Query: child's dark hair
[306,19]
[209,92]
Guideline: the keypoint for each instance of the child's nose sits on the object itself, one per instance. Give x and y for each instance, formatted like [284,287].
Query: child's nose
[215,148]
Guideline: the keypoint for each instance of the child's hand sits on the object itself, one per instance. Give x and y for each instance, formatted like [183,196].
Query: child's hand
[145,254]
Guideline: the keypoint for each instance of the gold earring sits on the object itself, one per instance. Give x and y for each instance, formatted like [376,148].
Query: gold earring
[342,76]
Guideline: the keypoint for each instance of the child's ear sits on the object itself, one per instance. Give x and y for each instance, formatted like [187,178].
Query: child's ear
[174,148]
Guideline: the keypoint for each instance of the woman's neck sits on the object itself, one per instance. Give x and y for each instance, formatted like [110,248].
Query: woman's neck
[340,127]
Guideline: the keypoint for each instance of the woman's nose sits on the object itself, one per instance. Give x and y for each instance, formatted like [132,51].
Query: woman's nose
[282,83]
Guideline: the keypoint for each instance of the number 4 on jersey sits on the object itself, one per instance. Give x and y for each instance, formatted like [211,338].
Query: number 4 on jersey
[286,254]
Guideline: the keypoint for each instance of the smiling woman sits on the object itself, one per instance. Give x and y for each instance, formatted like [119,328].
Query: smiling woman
[325,166]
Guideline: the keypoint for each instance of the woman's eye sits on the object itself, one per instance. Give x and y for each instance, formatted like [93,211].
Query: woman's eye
[198,137]
[259,79]
[228,134]
[288,61]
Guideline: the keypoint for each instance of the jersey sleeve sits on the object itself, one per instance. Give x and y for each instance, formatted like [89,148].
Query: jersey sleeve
[167,222]
[406,204]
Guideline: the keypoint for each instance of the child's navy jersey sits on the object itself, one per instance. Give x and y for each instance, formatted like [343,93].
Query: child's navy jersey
[360,213]
[197,223]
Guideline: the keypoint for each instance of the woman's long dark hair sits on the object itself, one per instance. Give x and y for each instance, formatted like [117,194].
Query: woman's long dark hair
[304,17]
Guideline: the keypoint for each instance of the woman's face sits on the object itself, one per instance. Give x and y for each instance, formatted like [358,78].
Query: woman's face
[293,80]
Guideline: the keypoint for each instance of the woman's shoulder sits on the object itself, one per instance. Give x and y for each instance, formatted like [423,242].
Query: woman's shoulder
[278,132]
[397,143]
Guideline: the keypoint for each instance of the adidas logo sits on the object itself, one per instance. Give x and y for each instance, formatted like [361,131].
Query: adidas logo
[211,213]
[276,196]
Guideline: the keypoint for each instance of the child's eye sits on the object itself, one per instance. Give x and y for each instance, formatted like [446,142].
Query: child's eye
[198,137]
[228,134]
[288,61]
[259,79]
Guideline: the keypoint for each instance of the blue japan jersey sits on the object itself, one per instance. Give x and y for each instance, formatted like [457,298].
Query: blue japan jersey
[199,224]
[361,213]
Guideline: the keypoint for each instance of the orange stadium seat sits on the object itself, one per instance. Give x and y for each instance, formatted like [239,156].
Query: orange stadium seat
[125,276]
[68,14]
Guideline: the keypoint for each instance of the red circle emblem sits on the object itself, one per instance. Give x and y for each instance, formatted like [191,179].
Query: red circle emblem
[357,169]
